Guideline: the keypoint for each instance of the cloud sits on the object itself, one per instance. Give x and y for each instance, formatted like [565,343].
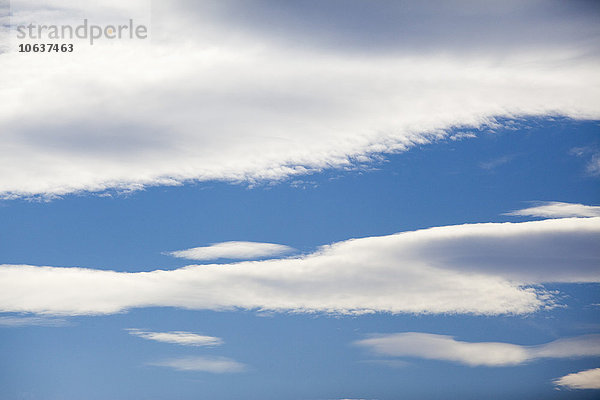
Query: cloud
[219,95]
[388,363]
[31,321]
[593,167]
[490,354]
[556,209]
[177,337]
[390,27]
[233,250]
[589,379]
[217,365]
[462,135]
[593,155]
[497,162]
[473,268]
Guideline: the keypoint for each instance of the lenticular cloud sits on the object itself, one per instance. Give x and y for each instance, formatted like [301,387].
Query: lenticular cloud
[491,354]
[233,250]
[478,269]
[206,101]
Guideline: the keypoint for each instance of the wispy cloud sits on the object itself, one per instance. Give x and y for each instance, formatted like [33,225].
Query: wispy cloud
[495,163]
[556,209]
[31,321]
[233,250]
[588,379]
[491,354]
[177,337]
[255,105]
[462,135]
[593,167]
[217,365]
[477,268]
[388,363]
[593,155]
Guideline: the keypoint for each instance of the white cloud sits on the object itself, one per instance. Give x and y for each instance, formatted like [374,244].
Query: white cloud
[557,209]
[178,337]
[588,379]
[491,354]
[479,268]
[462,135]
[203,100]
[217,365]
[233,250]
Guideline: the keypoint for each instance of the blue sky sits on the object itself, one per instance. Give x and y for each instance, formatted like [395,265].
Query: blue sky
[288,201]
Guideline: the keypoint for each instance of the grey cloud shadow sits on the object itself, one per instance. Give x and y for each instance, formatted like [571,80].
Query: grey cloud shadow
[367,26]
[95,138]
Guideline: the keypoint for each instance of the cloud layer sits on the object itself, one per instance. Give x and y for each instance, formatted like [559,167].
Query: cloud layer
[479,268]
[217,96]
[491,354]
[233,250]
[589,379]
[177,337]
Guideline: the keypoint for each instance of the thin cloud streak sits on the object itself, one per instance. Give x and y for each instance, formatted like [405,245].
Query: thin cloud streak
[234,250]
[490,354]
[216,365]
[177,337]
[14,322]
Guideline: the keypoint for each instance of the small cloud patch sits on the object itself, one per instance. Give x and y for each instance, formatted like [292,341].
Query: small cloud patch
[237,250]
[177,337]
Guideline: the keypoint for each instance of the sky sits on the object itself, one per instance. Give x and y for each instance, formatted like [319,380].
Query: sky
[316,200]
